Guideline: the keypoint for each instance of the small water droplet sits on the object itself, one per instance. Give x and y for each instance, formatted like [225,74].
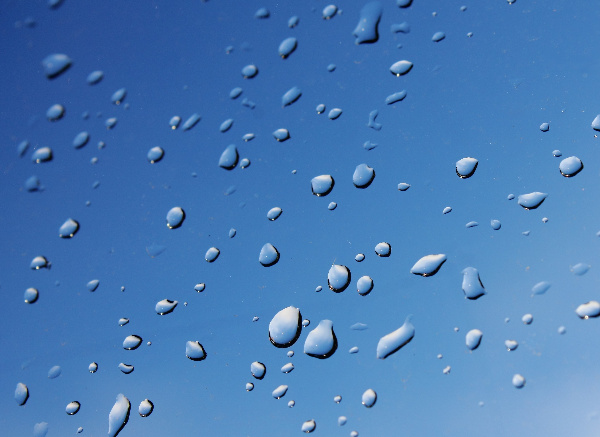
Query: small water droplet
[320,108]
[335,113]
[212,254]
[428,265]
[31,295]
[329,12]
[280,391]
[287,47]
[118,96]
[248,137]
[580,269]
[395,340]
[258,370]
[342,420]
[531,200]
[471,283]
[262,13]
[249,71]
[557,153]
[293,21]
[359,327]
[40,429]
[146,408]
[55,64]
[447,370]
[322,185]
[518,380]
[274,213]
[396,97]
[93,367]
[232,233]
[119,415]
[363,176]
[175,217]
[126,368]
[338,278]
[511,345]
[290,354]
[372,123]
[21,394]
[359,257]
[570,166]
[309,426]
[465,168]
[281,135]
[470,34]
[165,306]
[95,77]
[72,408]
[403,186]
[562,330]
[545,127]
[110,123]
[447,210]
[81,139]
[400,28]
[353,350]
[191,122]
[366,29]
[400,68]
[287,368]
[318,289]
[438,36]
[132,342]
[364,285]
[123,321]
[155,154]
[291,404]
[321,342]
[285,327]
[269,255]
[473,339]
[54,372]
[226,125]
[495,224]
[194,351]
[383,249]
[249,386]
[290,96]
[527,319]
[589,309]
[55,112]
[540,287]
[369,398]
[68,229]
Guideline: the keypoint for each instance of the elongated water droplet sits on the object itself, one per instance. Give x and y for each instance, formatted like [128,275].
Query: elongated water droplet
[175,217]
[212,254]
[334,113]
[191,122]
[403,186]
[589,309]
[281,135]
[165,306]
[280,391]
[110,123]
[329,12]
[291,96]
[293,21]
[21,394]
[285,327]
[366,29]
[364,285]
[287,47]
[119,415]
[465,168]
[54,372]
[438,36]
[400,68]
[527,319]
[146,408]
[226,125]
[394,341]
[322,185]
[473,339]
[55,112]
[471,284]
[43,154]
[194,351]
[338,278]
[39,262]
[396,97]
[541,287]
[309,426]
[570,166]
[68,229]
[518,381]
[321,342]
[580,269]
[262,13]
[81,140]
[511,345]
[118,96]
[531,200]
[429,265]
[132,342]
[155,154]
[55,64]
[287,368]
[258,370]
[400,28]
[249,71]
[556,153]
[274,213]
[320,108]
[123,321]
[269,255]
[332,206]
[369,398]
[447,210]
[471,224]
[72,408]
[360,257]
[235,93]
[363,176]
[95,77]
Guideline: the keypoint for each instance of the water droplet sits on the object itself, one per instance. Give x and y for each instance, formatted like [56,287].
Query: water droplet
[155,154]
[359,257]
[55,112]
[274,213]
[331,68]
[580,269]
[447,210]
[235,93]
[322,185]
[248,103]
[545,127]
[400,68]
[95,77]
[249,386]
[531,200]
[320,108]
[54,372]
[471,284]
[518,381]
[321,342]
[232,233]
[403,3]
[364,285]
[146,407]
[438,36]
[589,309]
[226,125]
[40,429]
[562,330]
[353,350]
[262,13]
[527,319]
[212,254]
[175,217]
[291,404]
[110,123]
[396,97]
[447,370]
[132,342]
[368,145]
[191,122]
[81,140]
[93,367]
[118,96]
[495,224]
[335,113]
[229,158]
[372,123]
[248,137]
[31,295]
[21,393]
[285,327]
[338,278]
[383,249]
[269,255]
[540,287]
[329,12]
[258,370]
[165,306]
[305,323]
[293,22]
[470,34]
[473,339]
[359,327]
[22,148]
[68,229]
[174,122]
[72,408]
[123,321]
[55,64]
[287,368]
[319,289]
[466,167]
[332,206]
[290,354]
[570,166]
[280,391]
[363,176]
[309,426]
[369,398]
[342,420]
[366,29]
[511,345]
[287,47]
[428,265]
[249,71]
[596,123]
[403,186]
[119,415]
[394,341]
[400,28]
[291,96]
[281,135]
[194,351]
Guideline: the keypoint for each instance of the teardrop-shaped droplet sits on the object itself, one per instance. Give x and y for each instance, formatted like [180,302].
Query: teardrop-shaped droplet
[287,368]
[119,415]
[165,306]
[366,29]
[511,345]
[55,112]
[249,386]
[329,12]
[68,229]
[471,284]
[285,327]
[394,341]
[363,176]
[541,287]
[194,351]
[212,254]
[43,154]
[570,166]
[364,285]
[322,185]
[31,295]
[287,47]
[291,96]
[531,200]
[465,168]
[55,64]
[132,342]
[118,96]
[269,255]
[123,321]
[280,391]
[258,370]
[473,339]
[95,77]
[191,122]
[400,68]
[403,186]
[438,36]
[72,408]
[175,217]
[309,426]
[589,309]
[338,278]
[335,113]
[81,139]
[369,398]
[518,381]
[146,408]
[281,135]
[321,342]
[155,154]
[229,157]
[21,394]
[396,97]
[429,265]
[342,420]
[249,71]
[274,213]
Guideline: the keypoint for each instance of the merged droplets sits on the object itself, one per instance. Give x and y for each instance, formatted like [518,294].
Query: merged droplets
[55,112]
[532,200]
[229,157]
[338,278]
[194,351]
[589,309]
[366,29]
[21,394]
[473,339]
[363,176]
[119,415]
[429,265]
[321,342]
[285,327]
[132,342]
[570,166]
[400,68]
[364,285]
[68,229]
[322,185]
[258,370]
[72,408]
[396,97]
[55,64]
[269,255]
[175,217]
[471,284]
[165,306]
[465,168]
[212,254]
[394,341]
[31,295]
[369,398]
[287,47]
[146,408]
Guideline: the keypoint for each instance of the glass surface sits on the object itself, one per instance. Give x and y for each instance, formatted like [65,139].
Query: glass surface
[185,123]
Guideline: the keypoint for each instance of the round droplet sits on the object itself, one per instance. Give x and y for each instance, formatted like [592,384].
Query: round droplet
[55,112]
[31,295]
[429,265]
[395,340]
[332,206]
[321,342]
[72,408]
[126,368]
[359,257]
[403,186]
[589,309]
[465,168]
[21,394]
[495,224]
[309,426]
[287,47]
[262,13]
[119,415]
[285,327]
[287,368]
[322,185]
[342,420]
[383,250]
[249,71]
[335,113]
[194,351]
[320,108]
[531,200]
[132,342]
[249,386]
[68,229]
[545,127]
[471,284]
[55,64]
[329,11]
[338,278]
[511,345]
[473,339]
[274,213]
[258,370]
[212,254]
[518,381]
[118,96]
[175,217]
[281,135]
[146,408]
[280,391]
[95,77]
[155,154]
[364,285]
[527,319]
[400,68]
[363,176]
[269,255]
[369,398]
[165,306]
[93,367]
[438,36]
[570,166]
[229,157]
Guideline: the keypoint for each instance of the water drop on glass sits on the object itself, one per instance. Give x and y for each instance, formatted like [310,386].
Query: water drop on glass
[54,372]
[291,404]
[580,269]
[291,96]
[290,354]
[146,407]
[55,112]
[466,167]
[518,381]
[132,342]
[400,68]
[258,370]
[248,137]
[342,420]
[281,135]
[212,254]
[269,255]
[155,154]
[309,426]
[447,210]
[285,327]
[95,77]
[81,140]
[562,330]
[570,166]
[262,13]
[194,351]
[31,295]
[395,340]
[353,350]
[22,148]
[363,176]
[527,319]
[321,342]
[403,3]
[280,391]
[191,122]
[396,97]
[110,123]
[400,28]
[68,229]
[495,224]
[383,249]
[332,206]
[446,370]
[320,108]
[229,157]
[438,36]
[175,217]
[473,339]
[232,233]
[322,185]
[274,213]
[249,386]
[287,47]
[318,289]
[429,265]
[359,257]
[471,284]
[118,96]
[21,394]
[545,127]
[165,306]
[329,12]
[364,285]
[287,368]
[55,64]
[369,398]
[589,309]
[123,321]
[72,408]
[366,29]
[511,345]
[249,71]
[403,186]
[335,113]
[93,367]
[531,200]
[293,21]
[359,327]
[119,415]
[338,278]
[226,125]
[40,429]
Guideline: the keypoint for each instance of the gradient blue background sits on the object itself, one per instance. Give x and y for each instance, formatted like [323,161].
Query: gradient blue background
[485,96]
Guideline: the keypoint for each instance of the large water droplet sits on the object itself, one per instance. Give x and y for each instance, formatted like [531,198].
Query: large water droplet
[249,71]
[95,77]
[55,64]
[81,139]
[394,341]
[596,123]
[400,68]
[518,381]
[309,426]
[191,122]
[212,254]
[119,415]
[68,229]
[366,29]
[285,327]
[118,96]
[363,176]
[175,217]
[338,278]
[466,167]
[72,408]
[471,283]
[570,166]
[589,309]
[287,47]
[541,287]
[258,370]
[21,394]
[194,351]
[55,112]
[165,306]
[146,408]
[369,398]
[291,96]
[43,154]
[531,200]
[429,265]
[321,342]
[155,154]
[132,342]
[54,372]
[280,391]
[396,97]
[364,285]
[269,255]
[229,158]
[473,339]
[322,185]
